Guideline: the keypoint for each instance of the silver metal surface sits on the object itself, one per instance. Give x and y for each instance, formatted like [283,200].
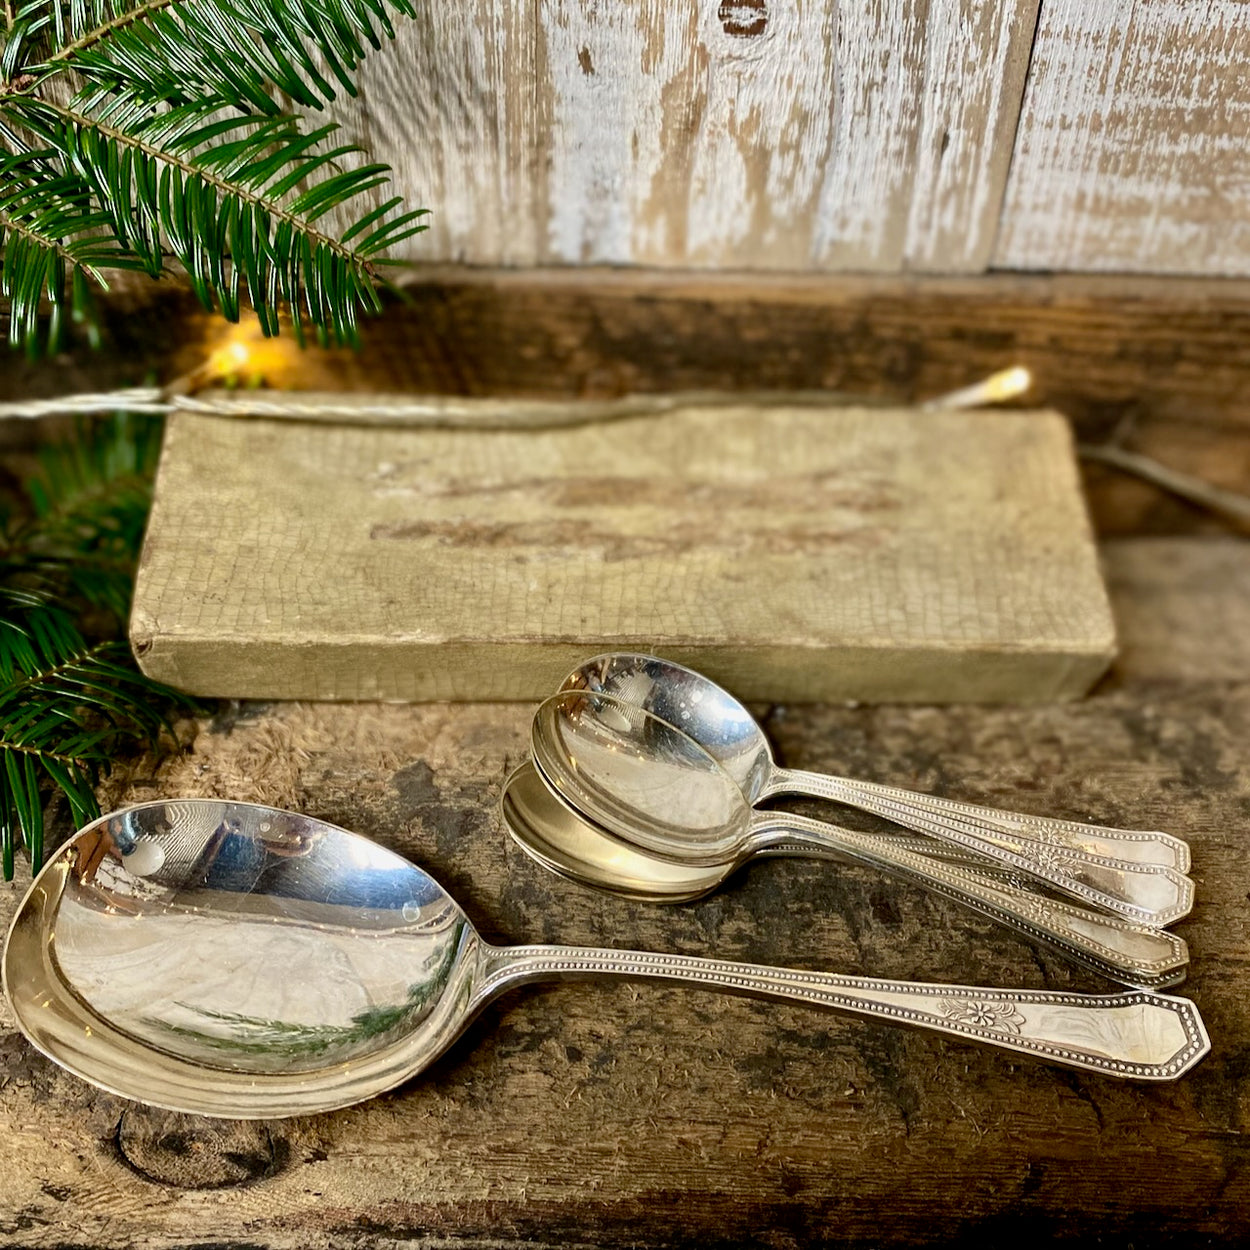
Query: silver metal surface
[565,841]
[230,959]
[726,730]
[650,783]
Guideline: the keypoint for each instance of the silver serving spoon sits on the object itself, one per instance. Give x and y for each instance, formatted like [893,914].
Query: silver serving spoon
[568,843]
[235,960]
[653,786]
[725,728]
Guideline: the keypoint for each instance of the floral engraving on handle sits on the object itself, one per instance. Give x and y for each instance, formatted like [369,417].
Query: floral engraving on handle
[1038,910]
[983,1015]
[1051,857]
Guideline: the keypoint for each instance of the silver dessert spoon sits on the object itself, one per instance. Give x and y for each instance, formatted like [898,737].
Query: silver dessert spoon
[232,959]
[568,843]
[723,726]
[652,785]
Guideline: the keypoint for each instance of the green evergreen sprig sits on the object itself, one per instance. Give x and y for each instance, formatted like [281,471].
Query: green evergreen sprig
[71,699]
[159,136]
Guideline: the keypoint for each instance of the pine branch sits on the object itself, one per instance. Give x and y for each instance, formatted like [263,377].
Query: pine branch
[71,703]
[90,499]
[177,150]
[197,185]
[54,247]
[177,49]
[121,18]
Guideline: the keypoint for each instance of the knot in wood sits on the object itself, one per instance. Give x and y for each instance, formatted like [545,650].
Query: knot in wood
[191,1152]
[743,19]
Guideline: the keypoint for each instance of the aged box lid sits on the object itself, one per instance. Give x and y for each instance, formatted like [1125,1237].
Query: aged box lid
[795,553]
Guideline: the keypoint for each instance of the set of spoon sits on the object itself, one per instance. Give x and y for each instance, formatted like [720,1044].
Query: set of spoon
[646,780]
[232,959]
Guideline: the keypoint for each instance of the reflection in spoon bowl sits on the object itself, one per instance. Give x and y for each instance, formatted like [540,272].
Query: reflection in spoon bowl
[269,964]
[257,942]
[570,844]
[725,728]
[630,769]
[652,785]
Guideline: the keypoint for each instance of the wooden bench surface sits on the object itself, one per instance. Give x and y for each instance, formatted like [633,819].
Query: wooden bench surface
[620,1114]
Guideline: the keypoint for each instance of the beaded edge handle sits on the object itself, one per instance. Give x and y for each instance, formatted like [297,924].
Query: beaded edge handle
[1121,949]
[1149,894]
[906,807]
[1135,1035]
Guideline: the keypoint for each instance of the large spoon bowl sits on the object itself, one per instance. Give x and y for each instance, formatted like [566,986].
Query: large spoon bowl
[232,959]
[725,728]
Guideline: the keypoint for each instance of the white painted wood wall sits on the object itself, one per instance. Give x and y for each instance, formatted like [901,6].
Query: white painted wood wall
[837,135]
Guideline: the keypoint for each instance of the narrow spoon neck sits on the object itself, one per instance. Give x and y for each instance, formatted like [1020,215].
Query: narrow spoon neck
[799,781]
[503,968]
[768,829]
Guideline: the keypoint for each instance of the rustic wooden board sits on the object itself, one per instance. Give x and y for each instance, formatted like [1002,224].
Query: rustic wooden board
[744,135]
[1132,150]
[1182,609]
[793,553]
[1166,357]
[620,1115]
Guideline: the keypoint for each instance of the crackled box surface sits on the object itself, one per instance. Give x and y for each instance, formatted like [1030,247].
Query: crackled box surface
[794,553]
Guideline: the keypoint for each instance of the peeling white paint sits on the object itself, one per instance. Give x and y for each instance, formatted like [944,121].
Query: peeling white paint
[819,134]
[1134,147]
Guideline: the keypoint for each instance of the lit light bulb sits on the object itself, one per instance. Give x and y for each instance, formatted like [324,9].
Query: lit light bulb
[228,360]
[1007,384]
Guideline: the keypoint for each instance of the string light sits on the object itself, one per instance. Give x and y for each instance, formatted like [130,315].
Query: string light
[225,362]
[241,358]
[996,389]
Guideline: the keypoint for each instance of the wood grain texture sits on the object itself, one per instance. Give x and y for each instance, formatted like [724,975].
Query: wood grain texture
[1132,150]
[1164,360]
[801,553]
[1182,609]
[621,1115]
[748,134]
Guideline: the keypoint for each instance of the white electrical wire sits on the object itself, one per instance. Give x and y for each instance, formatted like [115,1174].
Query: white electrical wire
[459,413]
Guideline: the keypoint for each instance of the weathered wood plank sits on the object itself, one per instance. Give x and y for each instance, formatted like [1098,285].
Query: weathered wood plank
[453,104]
[803,553]
[1132,149]
[1167,357]
[617,1115]
[749,135]
[976,59]
[1182,608]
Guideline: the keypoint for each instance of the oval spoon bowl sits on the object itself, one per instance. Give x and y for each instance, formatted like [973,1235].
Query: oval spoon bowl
[726,730]
[139,983]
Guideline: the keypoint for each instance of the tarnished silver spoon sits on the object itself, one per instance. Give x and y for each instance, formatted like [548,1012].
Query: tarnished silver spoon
[253,962]
[650,784]
[570,844]
[725,727]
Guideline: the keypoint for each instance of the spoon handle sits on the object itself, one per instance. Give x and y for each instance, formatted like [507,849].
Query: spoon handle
[1149,893]
[931,814]
[1137,1034]
[1110,945]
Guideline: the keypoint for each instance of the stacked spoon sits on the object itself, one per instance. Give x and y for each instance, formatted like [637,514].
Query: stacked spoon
[645,778]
